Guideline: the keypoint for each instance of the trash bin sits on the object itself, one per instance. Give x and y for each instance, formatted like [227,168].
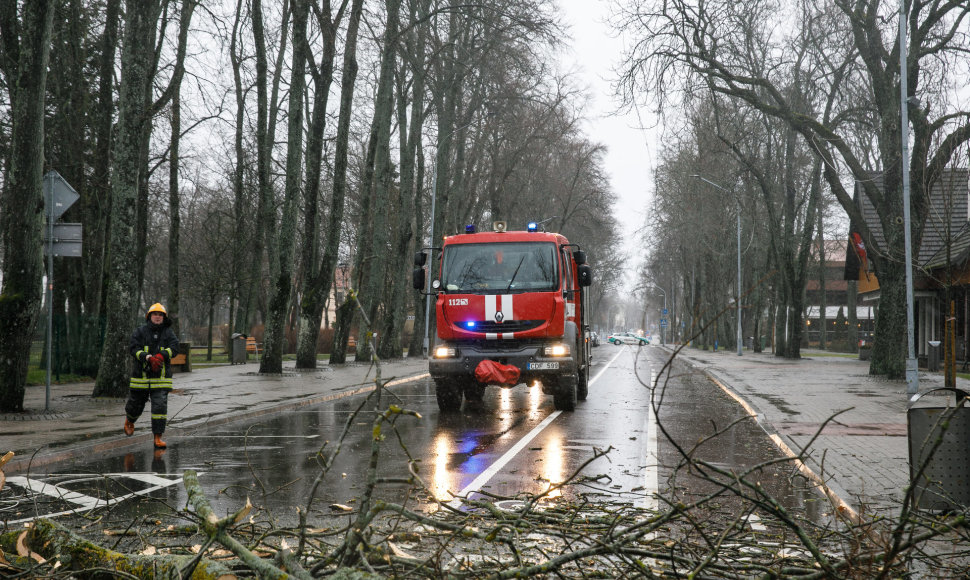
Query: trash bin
[939,452]
[237,354]
[933,357]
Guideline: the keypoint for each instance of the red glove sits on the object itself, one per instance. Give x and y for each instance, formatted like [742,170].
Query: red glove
[155,361]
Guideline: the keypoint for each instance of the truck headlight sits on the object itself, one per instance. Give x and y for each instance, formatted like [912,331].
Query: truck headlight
[557,350]
[445,352]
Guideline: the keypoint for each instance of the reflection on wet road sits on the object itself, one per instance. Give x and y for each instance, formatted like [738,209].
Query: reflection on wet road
[511,444]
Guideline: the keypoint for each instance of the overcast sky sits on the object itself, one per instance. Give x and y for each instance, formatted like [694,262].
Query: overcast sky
[631,141]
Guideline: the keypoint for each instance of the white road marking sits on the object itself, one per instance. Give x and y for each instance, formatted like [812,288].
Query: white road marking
[754,521]
[84,502]
[502,461]
[651,480]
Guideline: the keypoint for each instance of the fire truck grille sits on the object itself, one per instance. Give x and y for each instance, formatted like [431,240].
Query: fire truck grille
[496,327]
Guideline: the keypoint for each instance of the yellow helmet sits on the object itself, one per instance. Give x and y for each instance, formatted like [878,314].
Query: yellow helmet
[157,307]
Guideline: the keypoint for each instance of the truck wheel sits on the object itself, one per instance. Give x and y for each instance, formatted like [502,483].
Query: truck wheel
[565,396]
[448,395]
[474,392]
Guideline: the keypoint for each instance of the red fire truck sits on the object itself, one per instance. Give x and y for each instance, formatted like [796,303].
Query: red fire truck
[517,299]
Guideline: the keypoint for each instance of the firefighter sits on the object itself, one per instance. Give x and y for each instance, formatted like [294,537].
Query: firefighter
[152,347]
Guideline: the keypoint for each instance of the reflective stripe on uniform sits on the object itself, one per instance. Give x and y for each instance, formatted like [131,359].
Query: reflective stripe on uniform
[143,383]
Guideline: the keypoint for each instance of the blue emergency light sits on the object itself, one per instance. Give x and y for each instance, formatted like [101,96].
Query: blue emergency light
[470,229]
[470,324]
[533,227]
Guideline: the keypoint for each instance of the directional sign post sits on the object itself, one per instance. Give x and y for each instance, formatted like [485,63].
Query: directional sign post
[61,240]
[65,241]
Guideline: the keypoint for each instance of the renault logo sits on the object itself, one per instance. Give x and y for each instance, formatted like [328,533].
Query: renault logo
[499,317]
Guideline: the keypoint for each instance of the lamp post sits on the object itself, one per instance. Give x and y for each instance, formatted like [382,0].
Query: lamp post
[737,296]
[663,319]
[434,196]
[912,371]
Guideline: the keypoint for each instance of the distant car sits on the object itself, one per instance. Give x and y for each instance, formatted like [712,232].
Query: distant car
[594,339]
[621,338]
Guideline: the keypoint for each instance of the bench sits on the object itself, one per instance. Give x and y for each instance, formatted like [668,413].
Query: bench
[251,345]
[182,362]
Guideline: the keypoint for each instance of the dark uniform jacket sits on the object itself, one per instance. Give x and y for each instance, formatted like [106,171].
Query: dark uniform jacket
[150,339]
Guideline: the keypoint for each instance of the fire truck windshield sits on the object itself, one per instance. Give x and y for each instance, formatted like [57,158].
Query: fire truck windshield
[500,267]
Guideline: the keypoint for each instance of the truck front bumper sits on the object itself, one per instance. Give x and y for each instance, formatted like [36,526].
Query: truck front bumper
[531,361]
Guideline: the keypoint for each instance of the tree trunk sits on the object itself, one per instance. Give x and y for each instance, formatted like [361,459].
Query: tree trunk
[851,298]
[22,218]
[174,209]
[272,360]
[822,301]
[889,354]
[341,333]
[96,203]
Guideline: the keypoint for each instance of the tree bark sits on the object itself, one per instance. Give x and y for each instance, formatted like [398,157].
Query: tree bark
[24,56]
[272,359]
[174,209]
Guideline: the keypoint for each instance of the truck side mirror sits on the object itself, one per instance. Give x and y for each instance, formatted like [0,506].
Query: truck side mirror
[585,274]
[580,257]
[417,278]
[419,259]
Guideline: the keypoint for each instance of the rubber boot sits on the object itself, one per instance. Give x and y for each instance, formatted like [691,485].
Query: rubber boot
[159,444]
[129,427]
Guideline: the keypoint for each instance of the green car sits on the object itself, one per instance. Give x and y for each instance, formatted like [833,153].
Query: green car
[621,338]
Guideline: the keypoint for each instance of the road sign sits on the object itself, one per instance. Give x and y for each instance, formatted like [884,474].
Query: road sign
[58,195]
[67,240]
[663,323]
[664,312]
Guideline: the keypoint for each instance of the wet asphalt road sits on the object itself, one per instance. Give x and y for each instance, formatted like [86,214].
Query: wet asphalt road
[513,443]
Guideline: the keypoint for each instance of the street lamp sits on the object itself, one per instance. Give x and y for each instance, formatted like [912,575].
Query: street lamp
[737,296]
[912,371]
[434,196]
[663,319]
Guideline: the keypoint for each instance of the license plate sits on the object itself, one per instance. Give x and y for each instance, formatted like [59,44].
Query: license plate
[544,366]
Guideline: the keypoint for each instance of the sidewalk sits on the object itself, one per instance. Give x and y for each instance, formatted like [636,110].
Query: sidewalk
[78,424]
[862,455]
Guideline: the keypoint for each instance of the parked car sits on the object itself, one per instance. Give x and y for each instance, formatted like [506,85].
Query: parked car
[594,339]
[621,338]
